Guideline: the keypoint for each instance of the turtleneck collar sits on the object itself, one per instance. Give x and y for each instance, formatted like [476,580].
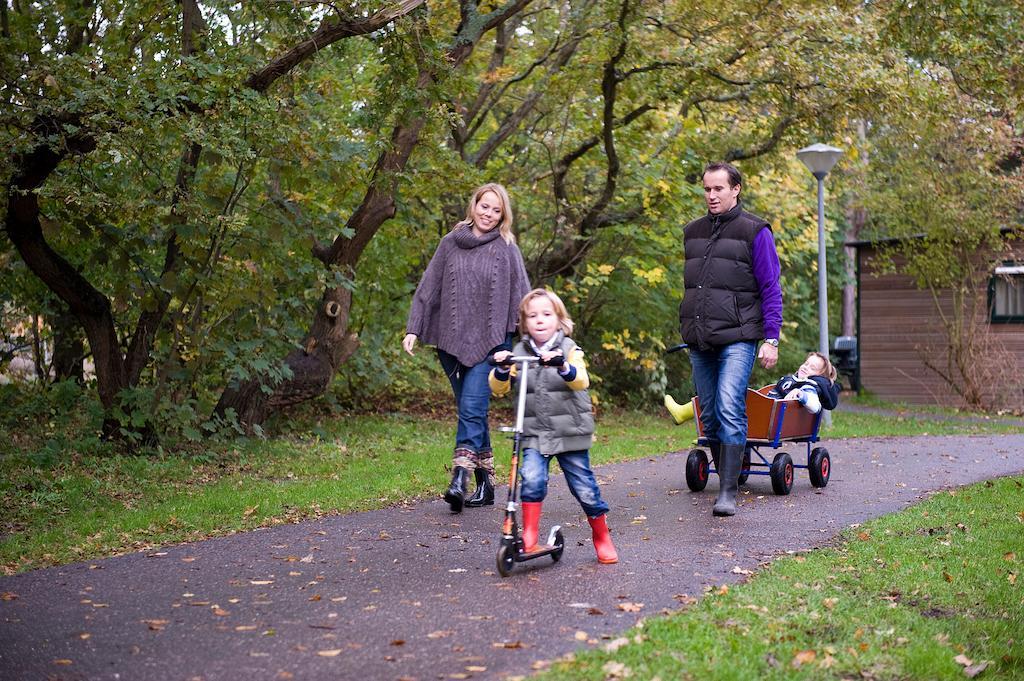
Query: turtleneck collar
[466,239]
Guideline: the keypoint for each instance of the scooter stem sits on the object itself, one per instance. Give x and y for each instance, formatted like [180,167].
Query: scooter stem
[521,409]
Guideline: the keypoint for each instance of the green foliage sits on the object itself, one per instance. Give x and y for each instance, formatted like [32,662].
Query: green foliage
[283,170]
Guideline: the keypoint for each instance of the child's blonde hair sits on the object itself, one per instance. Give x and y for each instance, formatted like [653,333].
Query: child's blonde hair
[828,370]
[564,320]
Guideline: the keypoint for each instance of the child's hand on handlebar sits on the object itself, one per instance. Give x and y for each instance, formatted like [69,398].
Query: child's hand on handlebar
[501,356]
[554,359]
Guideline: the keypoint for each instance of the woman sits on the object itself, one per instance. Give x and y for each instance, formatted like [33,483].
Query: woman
[466,305]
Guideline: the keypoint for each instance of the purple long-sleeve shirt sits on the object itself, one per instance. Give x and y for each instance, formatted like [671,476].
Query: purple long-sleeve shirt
[766,272]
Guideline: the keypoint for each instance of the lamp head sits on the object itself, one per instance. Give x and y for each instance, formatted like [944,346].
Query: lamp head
[819,158]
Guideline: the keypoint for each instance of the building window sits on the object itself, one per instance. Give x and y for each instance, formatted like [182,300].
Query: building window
[1006,294]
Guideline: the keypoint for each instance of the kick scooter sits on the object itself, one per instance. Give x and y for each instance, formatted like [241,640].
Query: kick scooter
[511,549]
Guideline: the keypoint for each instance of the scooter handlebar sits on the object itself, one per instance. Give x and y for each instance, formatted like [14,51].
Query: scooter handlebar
[677,348]
[555,361]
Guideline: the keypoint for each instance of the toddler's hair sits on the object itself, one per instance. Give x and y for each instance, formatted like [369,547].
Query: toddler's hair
[828,371]
[564,320]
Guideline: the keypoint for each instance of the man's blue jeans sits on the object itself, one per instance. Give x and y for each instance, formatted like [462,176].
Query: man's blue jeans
[575,466]
[472,398]
[721,376]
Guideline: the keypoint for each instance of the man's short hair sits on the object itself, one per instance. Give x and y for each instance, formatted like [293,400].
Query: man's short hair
[734,175]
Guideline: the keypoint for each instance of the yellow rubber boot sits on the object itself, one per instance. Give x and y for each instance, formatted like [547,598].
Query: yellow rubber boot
[681,413]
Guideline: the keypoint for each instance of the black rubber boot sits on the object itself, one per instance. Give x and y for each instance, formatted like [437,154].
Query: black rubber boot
[455,495]
[484,494]
[731,459]
[716,453]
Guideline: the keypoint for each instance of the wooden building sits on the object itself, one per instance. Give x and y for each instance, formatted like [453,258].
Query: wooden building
[902,341]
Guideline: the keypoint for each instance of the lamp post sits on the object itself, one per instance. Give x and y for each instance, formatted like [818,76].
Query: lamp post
[819,159]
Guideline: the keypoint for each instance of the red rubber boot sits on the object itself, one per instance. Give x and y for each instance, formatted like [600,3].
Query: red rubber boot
[531,523]
[603,541]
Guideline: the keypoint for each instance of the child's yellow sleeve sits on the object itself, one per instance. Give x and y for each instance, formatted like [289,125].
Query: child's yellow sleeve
[582,380]
[499,386]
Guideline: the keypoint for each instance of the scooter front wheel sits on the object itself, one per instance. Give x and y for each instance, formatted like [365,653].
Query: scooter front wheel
[556,555]
[506,558]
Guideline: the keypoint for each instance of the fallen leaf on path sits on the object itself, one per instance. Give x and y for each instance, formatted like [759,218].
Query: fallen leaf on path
[440,633]
[595,611]
[8,596]
[220,612]
[511,645]
[306,559]
[62,661]
[84,636]
[261,582]
[188,559]
[155,625]
[741,571]
[581,636]
[246,627]
[334,652]
[158,554]
[630,607]
[476,668]
[398,642]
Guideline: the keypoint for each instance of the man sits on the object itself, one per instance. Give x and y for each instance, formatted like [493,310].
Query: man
[733,300]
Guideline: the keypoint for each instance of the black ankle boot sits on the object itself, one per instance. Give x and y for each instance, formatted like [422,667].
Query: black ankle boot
[455,495]
[731,459]
[716,453]
[484,494]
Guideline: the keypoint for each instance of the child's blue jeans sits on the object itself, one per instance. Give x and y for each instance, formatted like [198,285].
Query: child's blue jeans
[575,466]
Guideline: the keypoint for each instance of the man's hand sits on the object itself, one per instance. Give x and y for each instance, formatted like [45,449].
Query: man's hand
[768,355]
[409,342]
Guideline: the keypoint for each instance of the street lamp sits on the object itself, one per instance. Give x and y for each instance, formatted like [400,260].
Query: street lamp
[819,159]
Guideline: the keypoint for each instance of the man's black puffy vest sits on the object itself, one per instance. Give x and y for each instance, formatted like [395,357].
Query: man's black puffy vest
[722,302]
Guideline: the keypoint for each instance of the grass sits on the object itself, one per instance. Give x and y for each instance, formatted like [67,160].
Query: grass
[67,499]
[933,592]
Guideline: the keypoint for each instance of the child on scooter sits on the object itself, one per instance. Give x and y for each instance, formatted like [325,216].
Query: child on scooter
[558,418]
[813,385]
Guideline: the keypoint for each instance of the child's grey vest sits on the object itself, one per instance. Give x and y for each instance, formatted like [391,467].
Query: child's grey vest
[557,419]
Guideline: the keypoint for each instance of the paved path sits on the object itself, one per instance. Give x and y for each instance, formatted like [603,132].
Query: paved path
[412,592]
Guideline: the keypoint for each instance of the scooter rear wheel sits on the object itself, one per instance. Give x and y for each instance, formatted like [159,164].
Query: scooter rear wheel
[505,560]
[556,555]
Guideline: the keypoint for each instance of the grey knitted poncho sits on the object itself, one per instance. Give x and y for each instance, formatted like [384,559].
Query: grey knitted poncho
[468,298]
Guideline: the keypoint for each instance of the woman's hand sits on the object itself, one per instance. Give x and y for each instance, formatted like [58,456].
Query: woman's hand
[409,342]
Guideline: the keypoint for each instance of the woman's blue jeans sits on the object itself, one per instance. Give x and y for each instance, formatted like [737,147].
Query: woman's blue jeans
[575,466]
[472,398]
[721,376]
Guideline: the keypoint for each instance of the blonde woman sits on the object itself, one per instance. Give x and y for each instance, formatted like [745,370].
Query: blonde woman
[466,307]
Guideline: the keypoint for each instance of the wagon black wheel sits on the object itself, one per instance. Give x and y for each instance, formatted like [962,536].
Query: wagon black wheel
[819,466]
[745,468]
[782,473]
[505,560]
[697,470]
[556,555]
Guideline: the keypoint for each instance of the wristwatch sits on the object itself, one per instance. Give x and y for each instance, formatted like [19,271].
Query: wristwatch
[772,341]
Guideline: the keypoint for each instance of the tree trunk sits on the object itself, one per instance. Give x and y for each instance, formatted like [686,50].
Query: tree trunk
[324,350]
[68,348]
